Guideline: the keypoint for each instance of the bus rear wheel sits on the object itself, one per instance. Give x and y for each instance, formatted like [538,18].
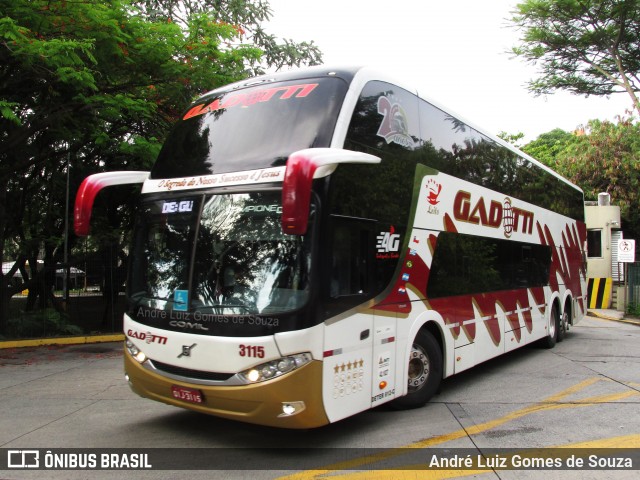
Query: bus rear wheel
[553,335]
[425,371]
[563,325]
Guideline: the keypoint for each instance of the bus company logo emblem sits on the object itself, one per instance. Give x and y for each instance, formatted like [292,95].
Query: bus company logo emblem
[245,100]
[186,350]
[492,214]
[394,127]
[433,192]
[507,217]
[148,337]
[388,242]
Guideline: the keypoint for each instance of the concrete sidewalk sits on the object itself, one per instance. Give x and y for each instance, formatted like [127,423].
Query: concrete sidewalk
[614,315]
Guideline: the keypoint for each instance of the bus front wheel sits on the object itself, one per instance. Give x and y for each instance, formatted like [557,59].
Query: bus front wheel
[425,371]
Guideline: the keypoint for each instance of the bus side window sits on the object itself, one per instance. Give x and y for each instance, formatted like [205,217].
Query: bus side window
[349,259]
[466,264]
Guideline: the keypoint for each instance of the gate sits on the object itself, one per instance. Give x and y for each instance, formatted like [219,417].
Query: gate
[633,286]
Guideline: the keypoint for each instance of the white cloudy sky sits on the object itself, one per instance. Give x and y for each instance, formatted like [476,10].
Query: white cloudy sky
[453,51]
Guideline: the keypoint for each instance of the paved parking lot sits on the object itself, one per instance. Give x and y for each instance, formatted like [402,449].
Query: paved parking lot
[584,393]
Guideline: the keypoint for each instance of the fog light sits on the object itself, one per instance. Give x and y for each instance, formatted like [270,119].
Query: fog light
[292,408]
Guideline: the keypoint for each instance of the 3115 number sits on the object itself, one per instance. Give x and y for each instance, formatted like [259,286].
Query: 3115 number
[251,351]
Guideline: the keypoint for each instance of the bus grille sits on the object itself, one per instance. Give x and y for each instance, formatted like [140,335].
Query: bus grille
[188,373]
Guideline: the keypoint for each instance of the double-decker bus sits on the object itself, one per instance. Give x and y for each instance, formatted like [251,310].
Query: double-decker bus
[316,243]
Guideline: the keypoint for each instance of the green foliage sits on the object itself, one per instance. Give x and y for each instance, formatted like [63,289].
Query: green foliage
[633,309]
[548,147]
[604,157]
[41,323]
[94,85]
[587,47]
[607,159]
[512,138]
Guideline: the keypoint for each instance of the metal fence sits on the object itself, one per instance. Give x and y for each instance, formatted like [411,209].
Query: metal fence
[633,285]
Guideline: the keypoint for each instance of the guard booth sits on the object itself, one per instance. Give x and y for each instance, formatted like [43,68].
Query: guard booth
[605,274]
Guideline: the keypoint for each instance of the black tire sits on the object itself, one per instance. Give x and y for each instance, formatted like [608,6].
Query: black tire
[554,329]
[425,372]
[563,325]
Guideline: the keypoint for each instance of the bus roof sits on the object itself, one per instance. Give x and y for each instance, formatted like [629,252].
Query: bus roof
[357,77]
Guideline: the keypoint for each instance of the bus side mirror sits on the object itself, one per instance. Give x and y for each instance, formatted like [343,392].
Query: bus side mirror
[302,168]
[88,190]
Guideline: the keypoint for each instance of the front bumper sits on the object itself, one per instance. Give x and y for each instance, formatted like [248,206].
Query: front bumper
[260,403]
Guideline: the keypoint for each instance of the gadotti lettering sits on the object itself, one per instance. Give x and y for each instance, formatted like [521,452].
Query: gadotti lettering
[251,98]
[147,337]
[478,213]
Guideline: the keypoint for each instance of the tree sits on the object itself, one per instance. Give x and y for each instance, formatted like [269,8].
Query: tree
[607,159]
[602,157]
[587,47]
[548,147]
[512,138]
[247,18]
[94,85]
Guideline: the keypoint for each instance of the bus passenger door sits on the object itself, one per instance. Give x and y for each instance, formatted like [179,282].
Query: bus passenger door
[349,325]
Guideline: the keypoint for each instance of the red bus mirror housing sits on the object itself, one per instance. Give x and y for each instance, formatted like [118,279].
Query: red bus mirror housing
[88,190]
[302,168]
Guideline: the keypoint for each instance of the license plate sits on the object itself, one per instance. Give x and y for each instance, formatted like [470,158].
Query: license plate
[185,394]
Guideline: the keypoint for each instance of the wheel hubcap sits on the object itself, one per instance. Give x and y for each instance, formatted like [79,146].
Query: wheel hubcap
[419,368]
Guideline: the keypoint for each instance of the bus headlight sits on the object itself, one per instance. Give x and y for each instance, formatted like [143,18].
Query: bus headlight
[275,368]
[135,352]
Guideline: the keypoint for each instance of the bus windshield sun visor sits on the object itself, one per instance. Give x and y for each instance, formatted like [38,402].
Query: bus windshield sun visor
[91,186]
[302,167]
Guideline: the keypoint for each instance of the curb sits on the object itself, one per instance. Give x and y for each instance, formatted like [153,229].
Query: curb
[622,319]
[39,342]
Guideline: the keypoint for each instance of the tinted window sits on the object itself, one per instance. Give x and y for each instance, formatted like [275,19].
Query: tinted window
[251,128]
[385,119]
[452,147]
[362,259]
[235,257]
[163,246]
[594,243]
[351,258]
[385,123]
[466,264]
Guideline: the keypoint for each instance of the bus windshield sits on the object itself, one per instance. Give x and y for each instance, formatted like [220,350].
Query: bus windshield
[251,128]
[220,254]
